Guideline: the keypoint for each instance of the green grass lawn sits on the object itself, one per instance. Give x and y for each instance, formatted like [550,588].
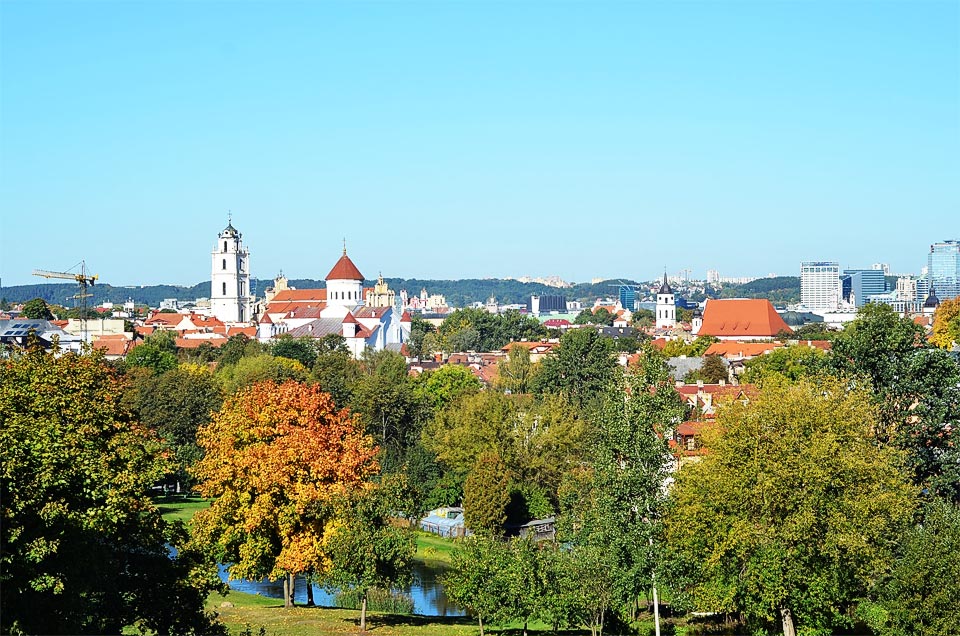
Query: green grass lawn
[250,612]
[180,507]
[430,547]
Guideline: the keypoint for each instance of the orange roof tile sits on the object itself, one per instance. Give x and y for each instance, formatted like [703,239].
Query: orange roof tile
[735,317]
[736,349]
[193,343]
[344,269]
[349,320]
[319,295]
[250,332]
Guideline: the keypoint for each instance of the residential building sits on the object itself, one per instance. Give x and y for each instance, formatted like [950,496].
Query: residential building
[820,285]
[231,299]
[907,288]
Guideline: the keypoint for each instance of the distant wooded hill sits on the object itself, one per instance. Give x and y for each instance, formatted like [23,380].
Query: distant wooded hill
[459,293]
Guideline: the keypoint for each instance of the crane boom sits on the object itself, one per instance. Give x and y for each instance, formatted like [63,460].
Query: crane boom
[82,278]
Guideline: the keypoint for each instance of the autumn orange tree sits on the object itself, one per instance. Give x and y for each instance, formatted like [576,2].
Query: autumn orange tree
[276,459]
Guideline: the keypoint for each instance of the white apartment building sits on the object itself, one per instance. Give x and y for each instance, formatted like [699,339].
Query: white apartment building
[820,285]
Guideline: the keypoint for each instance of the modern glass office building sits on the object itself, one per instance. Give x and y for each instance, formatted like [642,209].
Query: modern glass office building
[943,269]
[864,283]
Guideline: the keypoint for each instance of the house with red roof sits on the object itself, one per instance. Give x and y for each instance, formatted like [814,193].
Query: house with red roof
[742,319]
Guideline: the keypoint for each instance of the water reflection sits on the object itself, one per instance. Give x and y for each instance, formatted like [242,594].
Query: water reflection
[426,590]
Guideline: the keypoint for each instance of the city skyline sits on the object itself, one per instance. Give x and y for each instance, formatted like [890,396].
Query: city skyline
[582,141]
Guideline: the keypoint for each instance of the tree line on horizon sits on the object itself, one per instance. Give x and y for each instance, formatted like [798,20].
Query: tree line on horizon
[459,293]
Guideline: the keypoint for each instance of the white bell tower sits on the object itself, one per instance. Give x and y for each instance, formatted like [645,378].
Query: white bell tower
[666,305]
[230,297]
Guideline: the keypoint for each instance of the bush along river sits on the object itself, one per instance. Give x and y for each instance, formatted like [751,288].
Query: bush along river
[426,590]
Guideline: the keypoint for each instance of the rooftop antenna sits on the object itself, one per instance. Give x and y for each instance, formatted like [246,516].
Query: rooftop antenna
[344,245]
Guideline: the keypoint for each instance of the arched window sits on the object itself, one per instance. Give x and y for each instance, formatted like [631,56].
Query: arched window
[224,246]
[224,289]
[224,263]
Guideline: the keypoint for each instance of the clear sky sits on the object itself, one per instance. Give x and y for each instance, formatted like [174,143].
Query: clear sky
[466,140]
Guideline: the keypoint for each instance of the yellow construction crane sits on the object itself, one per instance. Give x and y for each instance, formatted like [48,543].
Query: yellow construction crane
[83,280]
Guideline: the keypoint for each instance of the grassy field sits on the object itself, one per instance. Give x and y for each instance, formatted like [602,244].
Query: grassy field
[430,547]
[179,507]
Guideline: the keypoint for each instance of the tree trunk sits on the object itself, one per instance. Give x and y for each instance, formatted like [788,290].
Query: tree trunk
[656,609]
[787,618]
[524,628]
[480,619]
[363,613]
[292,580]
[310,602]
[286,592]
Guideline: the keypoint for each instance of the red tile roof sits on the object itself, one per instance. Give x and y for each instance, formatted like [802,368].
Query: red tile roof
[349,320]
[114,345]
[744,318]
[372,312]
[250,332]
[171,320]
[265,319]
[193,343]
[287,295]
[345,270]
[736,349]
[556,322]
[406,317]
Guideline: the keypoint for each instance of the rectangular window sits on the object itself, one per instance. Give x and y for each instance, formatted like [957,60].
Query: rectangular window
[224,289]
[224,263]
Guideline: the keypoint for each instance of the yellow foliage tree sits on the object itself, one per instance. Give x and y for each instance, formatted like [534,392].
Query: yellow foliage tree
[946,323]
[276,458]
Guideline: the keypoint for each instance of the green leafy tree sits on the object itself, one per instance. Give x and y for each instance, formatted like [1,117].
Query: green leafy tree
[515,373]
[478,330]
[37,309]
[150,356]
[176,404]
[792,363]
[874,347]
[486,494]
[477,580]
[695,349]
[385,399]
[792,513]
[580,368]
[419,328]
[537,442]
[335,370]
[560,604]
[918,597]
[612,512]
[237,347]
[303,349]
[526,580]
[263,367]
[438,389]
[712,372]
[84,551]
[366,550]
[643,318]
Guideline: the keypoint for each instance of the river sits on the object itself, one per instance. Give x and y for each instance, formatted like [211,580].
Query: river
[426,590]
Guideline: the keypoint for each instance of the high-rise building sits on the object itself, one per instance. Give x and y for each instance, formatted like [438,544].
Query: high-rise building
[230,297]
[865,283]
[820,285]
[943,269]
[907,288]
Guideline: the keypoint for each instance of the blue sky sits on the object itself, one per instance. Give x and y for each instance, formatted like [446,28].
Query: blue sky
[463,140]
